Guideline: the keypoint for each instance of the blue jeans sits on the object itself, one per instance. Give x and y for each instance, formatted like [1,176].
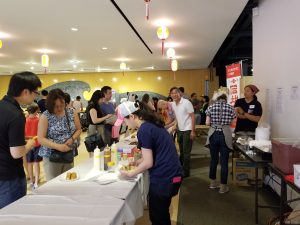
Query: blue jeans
[218,147]
[12,190]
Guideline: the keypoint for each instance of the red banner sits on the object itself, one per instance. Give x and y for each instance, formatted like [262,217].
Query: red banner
[233,70]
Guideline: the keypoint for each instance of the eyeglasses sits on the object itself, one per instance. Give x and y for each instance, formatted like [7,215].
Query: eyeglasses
[36,92]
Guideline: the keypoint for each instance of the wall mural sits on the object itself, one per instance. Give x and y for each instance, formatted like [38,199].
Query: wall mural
[83,89]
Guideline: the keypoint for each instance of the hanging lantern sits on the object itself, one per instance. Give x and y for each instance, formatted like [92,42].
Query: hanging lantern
[162,34]
[171,54]
[45,61]
[174,67]
[0,44]
[123,66]
[147,8]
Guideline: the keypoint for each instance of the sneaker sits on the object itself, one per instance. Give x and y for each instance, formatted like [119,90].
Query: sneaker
[224,188]
[214,184]
[35,186]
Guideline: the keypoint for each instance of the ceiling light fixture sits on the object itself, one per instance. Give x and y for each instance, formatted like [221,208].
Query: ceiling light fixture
[162,33]
[158,78]
[45,51]
[74,29]
[32,68]
[81,69]
[74,66]
[72,79]
[55,80]
[114,79]
[101,80]
[98,69]
[104,48]
[139,78]
[4,35]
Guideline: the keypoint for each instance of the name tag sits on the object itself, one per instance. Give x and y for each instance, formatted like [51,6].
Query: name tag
[251,106]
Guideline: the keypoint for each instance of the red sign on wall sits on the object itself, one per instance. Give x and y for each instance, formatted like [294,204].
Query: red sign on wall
[233,70]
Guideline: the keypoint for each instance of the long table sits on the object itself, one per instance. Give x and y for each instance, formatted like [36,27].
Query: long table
[87,200]
[258,162]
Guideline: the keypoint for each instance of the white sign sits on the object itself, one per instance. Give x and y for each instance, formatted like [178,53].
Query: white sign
[234,86]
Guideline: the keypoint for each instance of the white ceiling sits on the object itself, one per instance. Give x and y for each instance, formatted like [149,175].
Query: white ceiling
[197,27]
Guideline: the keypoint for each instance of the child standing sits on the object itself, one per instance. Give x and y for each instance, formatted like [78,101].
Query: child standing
[33,159]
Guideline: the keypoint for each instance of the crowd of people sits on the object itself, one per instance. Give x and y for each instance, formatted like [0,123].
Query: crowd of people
[52,128]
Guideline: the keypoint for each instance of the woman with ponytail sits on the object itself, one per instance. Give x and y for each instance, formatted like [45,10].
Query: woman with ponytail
[159,157]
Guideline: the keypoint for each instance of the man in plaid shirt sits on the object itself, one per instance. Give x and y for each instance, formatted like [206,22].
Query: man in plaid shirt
[219,116]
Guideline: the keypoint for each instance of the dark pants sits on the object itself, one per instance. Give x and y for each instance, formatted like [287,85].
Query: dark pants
[218,146]
[185,146]
[12,190]
[160,196]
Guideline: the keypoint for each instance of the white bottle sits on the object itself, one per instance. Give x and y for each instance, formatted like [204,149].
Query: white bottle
[113,153]
[101,160]
[97,159]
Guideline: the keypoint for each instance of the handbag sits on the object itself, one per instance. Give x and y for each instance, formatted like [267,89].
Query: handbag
[64,157]
[92,141]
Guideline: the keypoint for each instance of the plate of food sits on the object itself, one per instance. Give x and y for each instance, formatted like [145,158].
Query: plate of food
[69,177]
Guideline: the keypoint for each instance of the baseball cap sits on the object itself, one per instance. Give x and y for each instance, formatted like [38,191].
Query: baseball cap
[123,110]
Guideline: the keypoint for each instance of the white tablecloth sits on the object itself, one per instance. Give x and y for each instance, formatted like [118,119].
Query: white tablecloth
[84,201]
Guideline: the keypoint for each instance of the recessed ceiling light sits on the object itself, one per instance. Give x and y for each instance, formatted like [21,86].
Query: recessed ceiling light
[122,59]
[114,79]
[55,80]
[74,29]
[74,61]
[32,68]
[45,50]
[158,78]
[4,35]
[81,69]
[171,44]
[139,78]
[104,48]
[74,66]
[98,69]
[101,80]
[163,22]
[72,79]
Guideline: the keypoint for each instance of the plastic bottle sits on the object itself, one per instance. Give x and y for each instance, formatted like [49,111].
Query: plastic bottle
[107,157]
[119,154]
[113,150]
[101,160]
[97,158]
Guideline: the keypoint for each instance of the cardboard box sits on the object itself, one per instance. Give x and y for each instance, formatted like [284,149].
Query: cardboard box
[244,173]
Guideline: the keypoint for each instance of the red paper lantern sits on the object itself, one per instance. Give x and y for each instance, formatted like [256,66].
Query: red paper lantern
[147,8]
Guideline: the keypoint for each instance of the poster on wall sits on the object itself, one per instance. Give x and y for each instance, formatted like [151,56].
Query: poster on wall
[279,101]
[233,80]
[295,93]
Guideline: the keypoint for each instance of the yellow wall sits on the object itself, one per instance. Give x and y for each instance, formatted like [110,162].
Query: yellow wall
[191,80]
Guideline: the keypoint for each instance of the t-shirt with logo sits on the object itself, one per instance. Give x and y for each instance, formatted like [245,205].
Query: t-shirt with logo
[253,108]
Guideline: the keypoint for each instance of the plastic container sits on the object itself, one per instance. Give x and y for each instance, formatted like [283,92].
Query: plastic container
[119,155]
[107,157]
[262,132]
[97,158]
[101,160]
[113,150]
[285,153]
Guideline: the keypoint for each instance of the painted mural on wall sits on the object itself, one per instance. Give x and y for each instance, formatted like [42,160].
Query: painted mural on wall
[74,88]
[83,89]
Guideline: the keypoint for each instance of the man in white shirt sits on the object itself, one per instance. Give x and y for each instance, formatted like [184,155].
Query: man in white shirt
[184,112]
[77,104]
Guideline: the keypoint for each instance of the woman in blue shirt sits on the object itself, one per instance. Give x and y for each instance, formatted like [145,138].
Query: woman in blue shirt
[159,157]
